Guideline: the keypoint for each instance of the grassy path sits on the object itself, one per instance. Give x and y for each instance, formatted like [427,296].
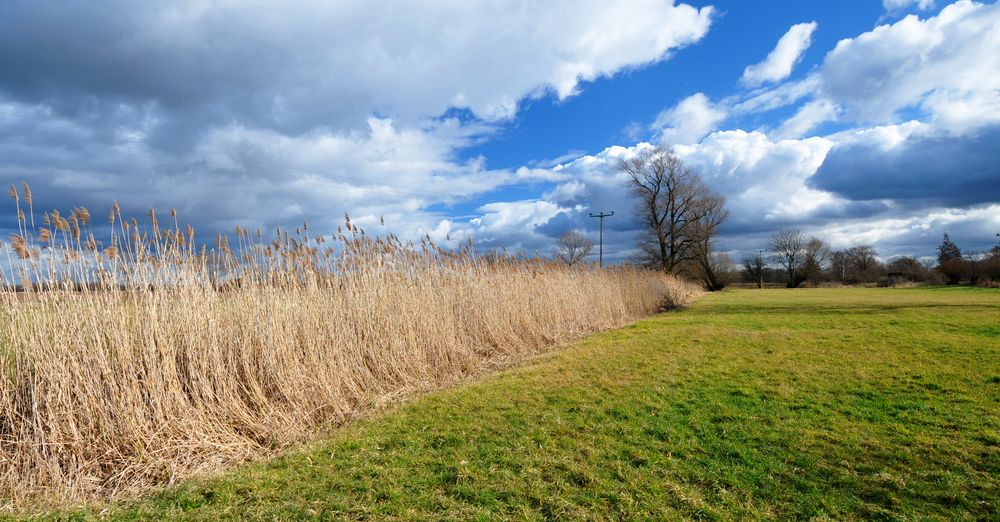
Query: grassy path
[752,404]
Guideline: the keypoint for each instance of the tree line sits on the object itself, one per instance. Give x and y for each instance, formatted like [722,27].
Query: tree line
[681,217]
[809,260]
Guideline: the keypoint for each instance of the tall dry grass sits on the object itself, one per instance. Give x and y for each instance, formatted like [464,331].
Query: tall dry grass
[145,359]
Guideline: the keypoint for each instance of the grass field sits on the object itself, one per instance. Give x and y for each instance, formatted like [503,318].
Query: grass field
[829,403]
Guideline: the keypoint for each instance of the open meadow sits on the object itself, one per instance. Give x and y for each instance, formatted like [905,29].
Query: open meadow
[831,403]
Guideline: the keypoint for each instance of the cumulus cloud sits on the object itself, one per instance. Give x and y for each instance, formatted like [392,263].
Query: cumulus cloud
[916,234]
[260,113]
[253,114]
[254,176]
[946,66]
[807,118]
[898,5]
[688,121]
[297,65]
[919,100]
[779,62]
[765,181]
[924,167]
[513,225]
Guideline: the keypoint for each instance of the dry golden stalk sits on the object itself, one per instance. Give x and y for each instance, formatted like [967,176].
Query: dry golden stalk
[61,224]
[20,246]
[82,214]
[214,357]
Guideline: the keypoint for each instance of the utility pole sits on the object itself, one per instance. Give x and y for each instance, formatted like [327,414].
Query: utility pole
[602,215]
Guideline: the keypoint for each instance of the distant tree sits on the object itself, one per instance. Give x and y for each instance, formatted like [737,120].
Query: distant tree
[948,250]
[815,257]
[909,268]
[975,266]
[753,270]
[862,258]
[863,265]
[950,263]
[573,247]
[788,249]
[713,268]
[839,266]
[673,205]
[993,264]
[912,269]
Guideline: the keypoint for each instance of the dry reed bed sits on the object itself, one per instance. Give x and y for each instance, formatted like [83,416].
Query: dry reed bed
[134,364]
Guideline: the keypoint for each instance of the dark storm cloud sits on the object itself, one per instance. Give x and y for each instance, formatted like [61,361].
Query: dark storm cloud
[955,171]
[178,71]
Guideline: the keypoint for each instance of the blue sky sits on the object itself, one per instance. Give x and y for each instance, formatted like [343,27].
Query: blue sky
[742,33]
[868,122]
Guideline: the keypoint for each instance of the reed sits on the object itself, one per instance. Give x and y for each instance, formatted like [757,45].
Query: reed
[143,356]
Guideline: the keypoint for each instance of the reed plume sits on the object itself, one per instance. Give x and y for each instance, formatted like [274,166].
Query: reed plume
[138,358]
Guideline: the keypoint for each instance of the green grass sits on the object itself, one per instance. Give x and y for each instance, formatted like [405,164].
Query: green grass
[829,403]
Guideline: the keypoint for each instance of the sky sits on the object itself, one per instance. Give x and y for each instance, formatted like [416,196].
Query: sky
[863,122]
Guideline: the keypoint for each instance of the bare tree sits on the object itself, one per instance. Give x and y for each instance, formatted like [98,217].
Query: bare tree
[864,264]
[713,268]
[717,271]
[574,246]
[839,265]
[863,258]
[673,204]
[814,259]
[858,264]
[753,269]
[788,249]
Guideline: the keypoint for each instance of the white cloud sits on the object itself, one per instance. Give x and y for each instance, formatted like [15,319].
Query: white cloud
[770,98]
[926,96]
[947,66]
[274,118]
[806,119]
[899,5]
[763,180]
[689,121]
[250,176]
[260,113]
[779,63]
[916,234]
[512,224]
[300,64]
